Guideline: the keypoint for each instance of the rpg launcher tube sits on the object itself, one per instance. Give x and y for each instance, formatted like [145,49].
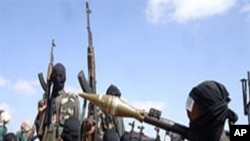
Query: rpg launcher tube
[167,125]
[118,107]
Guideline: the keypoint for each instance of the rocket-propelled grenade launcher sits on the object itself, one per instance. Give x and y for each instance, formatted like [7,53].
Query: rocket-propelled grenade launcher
[118,107]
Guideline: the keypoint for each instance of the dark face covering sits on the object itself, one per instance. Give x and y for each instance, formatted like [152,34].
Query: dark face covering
[111,135]
[213,97]
[71,129]
[58,77]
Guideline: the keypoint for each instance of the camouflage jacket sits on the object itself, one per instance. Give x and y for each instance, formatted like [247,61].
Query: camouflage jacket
[106,122]
[63,106]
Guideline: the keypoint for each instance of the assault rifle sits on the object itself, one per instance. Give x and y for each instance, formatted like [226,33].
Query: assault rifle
[90,85]
[46,86]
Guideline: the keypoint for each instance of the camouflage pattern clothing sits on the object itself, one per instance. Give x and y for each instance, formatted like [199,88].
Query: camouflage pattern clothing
[63,106]
[107,125]
[107,122]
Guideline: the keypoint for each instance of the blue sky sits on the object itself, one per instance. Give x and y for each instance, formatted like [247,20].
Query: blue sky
[155,51]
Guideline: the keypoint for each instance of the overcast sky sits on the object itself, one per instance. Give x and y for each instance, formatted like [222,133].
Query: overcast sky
[155,51]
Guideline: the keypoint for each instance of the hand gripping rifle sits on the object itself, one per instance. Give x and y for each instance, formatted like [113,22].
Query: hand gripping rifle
[46,86]
[90,85]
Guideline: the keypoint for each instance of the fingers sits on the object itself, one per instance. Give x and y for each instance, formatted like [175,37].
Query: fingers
[89,125]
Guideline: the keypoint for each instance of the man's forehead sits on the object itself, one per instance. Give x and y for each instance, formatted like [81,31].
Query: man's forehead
[58,72]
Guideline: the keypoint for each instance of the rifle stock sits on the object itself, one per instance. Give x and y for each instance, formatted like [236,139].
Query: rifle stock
[85,88]
[42,81]
[83,82]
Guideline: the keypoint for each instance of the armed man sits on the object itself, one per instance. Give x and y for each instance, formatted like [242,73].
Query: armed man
[117,121]
[109,122]
[71,130]
[207,110]
[61,105]
[109,127]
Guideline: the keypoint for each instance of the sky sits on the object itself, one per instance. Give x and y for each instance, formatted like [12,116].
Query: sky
[155,51]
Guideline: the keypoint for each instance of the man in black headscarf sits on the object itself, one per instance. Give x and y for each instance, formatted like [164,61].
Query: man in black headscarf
[110,128]
[117,121]
[71,129]
[113,127]
[10,137]
[111,135]
[63,105]
[207,109]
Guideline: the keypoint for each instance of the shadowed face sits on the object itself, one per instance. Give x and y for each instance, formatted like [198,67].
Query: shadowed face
[58,77]
[194,110]
[195,113]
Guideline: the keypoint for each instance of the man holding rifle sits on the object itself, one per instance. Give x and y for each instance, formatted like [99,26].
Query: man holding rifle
[207,110]
[62,105]
[109,127]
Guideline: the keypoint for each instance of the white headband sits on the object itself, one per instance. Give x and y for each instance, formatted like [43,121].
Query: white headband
[189,104]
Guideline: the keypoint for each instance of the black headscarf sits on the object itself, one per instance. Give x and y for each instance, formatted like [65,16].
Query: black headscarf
[113,90]
[214,97]
[10,137]
[111,135]
[58,77]
[71,129]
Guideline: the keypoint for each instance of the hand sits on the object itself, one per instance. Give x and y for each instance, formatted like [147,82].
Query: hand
[89,125]
[42,106]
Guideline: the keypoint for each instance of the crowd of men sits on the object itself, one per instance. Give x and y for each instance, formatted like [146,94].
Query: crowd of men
[207,110]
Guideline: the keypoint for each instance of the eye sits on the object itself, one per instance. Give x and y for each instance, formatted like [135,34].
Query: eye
[56,75]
